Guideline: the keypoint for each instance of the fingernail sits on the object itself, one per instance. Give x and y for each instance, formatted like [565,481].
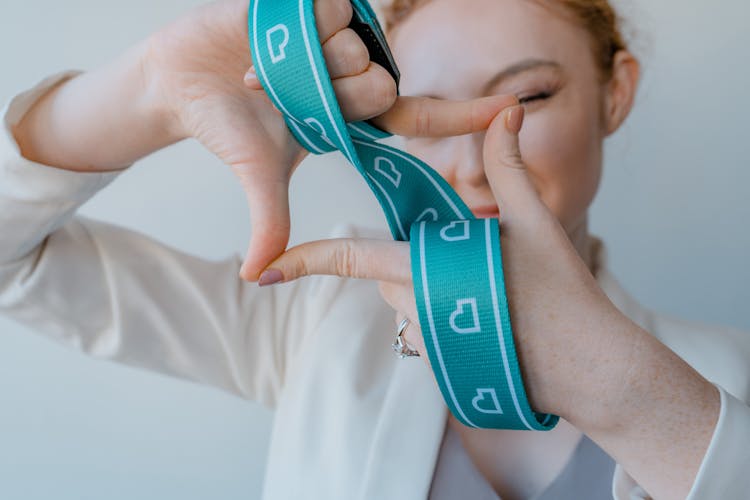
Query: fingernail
[250,76]
[270,277]
[514,119]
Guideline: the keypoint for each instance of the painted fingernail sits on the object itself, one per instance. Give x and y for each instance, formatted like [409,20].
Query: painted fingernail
[250,76]
[514,119]
[270,277]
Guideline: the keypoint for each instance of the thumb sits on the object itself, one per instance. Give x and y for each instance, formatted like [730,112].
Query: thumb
[504,166]
[268,199]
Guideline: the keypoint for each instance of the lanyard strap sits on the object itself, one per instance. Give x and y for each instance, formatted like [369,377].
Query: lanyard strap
[456,260]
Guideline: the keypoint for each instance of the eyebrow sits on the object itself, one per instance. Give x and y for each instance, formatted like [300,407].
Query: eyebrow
[520,67]
[513,70]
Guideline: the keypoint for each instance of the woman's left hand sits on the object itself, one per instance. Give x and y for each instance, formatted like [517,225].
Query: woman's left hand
[580,357]
[545,276]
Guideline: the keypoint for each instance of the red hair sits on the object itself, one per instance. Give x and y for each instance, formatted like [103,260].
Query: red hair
[597,17]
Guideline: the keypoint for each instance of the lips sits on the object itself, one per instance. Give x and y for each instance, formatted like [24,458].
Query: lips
[486,212]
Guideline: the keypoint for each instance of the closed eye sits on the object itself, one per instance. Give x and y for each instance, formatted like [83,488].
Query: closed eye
[536,97]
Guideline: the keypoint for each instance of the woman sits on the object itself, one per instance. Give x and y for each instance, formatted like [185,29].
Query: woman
[353,421]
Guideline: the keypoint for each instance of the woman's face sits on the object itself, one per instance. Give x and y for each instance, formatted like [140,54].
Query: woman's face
[461,49]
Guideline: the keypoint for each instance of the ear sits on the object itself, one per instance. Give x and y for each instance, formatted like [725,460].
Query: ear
[621,89]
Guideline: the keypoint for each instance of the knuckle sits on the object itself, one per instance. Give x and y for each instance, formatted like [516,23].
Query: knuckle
[422,123]
[345,260]
[344,11]
[356,57]
[300,267]
[279,229]
[332,16]
[384,90]
[512,159]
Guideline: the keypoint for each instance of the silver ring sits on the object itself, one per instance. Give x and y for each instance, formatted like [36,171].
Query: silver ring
[400,346]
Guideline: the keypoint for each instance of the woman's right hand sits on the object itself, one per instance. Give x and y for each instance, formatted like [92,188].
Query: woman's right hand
[200,65]
[189,80]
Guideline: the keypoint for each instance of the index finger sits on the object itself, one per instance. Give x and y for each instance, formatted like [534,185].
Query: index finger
[346,257]
[429,117]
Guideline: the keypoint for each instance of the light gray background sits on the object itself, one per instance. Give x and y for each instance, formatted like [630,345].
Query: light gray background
[673,208]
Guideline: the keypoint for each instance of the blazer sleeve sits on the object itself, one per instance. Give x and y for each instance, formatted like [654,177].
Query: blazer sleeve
[115,294]
[722,355]
[723,473]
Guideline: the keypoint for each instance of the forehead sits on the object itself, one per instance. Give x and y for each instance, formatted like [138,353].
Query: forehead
[465,42]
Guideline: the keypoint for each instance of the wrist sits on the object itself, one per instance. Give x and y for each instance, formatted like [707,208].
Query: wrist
[581,372]
[601,384]
[30,129]
[103,120]
[645,406]
[156,103]
[617,377]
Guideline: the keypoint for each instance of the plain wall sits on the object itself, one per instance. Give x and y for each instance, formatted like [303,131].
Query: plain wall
[673,209]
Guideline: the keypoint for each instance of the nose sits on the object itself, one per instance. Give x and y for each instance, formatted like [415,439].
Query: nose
[459,160]
[466,160]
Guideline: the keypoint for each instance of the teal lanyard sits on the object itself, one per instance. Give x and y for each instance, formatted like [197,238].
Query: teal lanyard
[456,261]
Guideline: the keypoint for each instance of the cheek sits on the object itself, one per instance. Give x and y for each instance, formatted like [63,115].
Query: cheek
[562,150]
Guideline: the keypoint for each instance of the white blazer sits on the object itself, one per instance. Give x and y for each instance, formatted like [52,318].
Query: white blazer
[351,420]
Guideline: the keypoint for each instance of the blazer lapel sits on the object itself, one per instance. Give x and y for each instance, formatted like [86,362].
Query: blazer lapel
[408,435]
